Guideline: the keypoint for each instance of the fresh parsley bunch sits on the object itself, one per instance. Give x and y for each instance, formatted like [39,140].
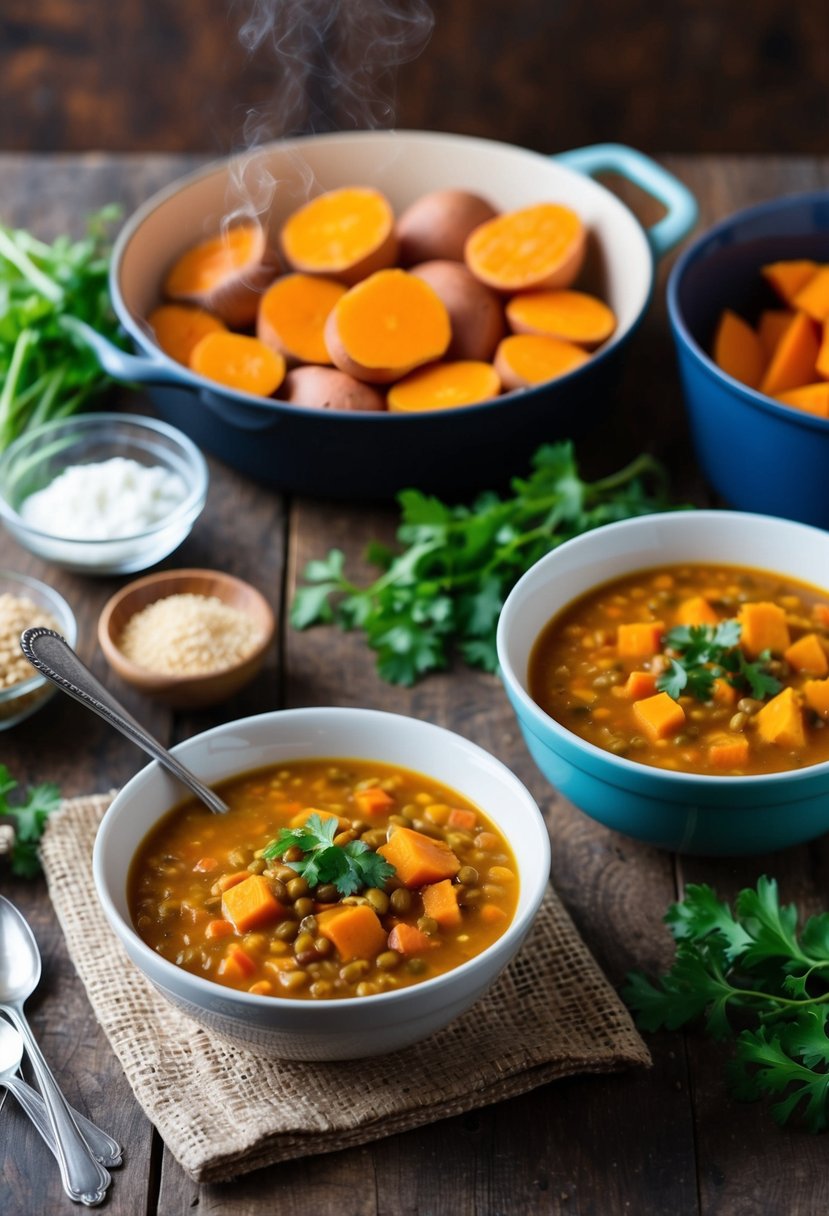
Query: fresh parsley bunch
[29,818]
[447,583]
[46,371]
[701,653]
[350,867]
[752,976]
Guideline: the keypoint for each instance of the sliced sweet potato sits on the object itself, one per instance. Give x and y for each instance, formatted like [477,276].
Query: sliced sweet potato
[419,859]
[696,610]
[475,311]
[178,328]
[639,684]
[807,655]
[444,386]
[787,278]
[794,360]
[387,326]
[728,751]
[738,351]
[409,940]
[813,398]
[327,388]
[225,274]
[574,316]
[437,224]
[639,639]
[251,905]
[772,325]
[354,931]
[763,627]
[816,694]
[524,360]
[822,365]
[658,717]
[292,315]
[538,246]
[813,296]
[346,234]
[440,901]
[780,720]
[239,362]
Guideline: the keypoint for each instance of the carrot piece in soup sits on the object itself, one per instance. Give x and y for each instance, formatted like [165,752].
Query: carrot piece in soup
[440,901]
[355,932]
[772,325]
[813,297]
[807,655]
[814,398]
[459,817]
[738,351]
[251,904]
[236,965]
[419,859]
[728,752]
[795,358]
[816,693]
[659,717]
[640,639]
[373,801]
[763,627]
[409,940]
[696,611]
[780,720]
[787,278]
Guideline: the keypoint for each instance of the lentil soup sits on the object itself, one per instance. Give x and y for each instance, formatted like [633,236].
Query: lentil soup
[430,882]
[704,669]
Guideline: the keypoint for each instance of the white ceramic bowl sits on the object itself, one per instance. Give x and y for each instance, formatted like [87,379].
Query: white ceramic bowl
[35,459]
[346,1028]
[688,812]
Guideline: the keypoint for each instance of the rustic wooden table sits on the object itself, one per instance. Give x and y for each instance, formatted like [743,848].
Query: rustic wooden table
[667,1140]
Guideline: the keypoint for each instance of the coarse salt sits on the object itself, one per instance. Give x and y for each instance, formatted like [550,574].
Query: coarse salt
[188,634]
[107,500]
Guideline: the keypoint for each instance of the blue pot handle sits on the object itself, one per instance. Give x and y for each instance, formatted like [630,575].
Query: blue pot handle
[117,362]
[677,199]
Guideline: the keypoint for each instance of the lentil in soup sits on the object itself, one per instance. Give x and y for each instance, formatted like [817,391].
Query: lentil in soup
[703,669]
[326,879]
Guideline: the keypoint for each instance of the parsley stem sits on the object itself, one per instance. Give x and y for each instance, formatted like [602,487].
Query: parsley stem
[39,281]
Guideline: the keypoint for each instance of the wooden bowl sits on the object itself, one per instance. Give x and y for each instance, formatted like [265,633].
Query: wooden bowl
[185,691]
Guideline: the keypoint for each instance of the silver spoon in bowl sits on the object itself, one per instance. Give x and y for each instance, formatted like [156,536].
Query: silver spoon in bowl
[107,1150]
[84,1178]
[54,658]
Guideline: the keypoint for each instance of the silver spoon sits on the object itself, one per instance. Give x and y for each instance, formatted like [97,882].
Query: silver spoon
[107,1150]
[84,1178]
[54,658]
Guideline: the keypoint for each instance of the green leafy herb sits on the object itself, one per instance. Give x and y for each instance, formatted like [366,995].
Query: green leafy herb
[699,654]
[45,370]
[752,978]
[349,867]
[445,587]
[29,819]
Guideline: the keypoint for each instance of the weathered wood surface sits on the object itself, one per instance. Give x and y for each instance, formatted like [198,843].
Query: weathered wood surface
[663,1141]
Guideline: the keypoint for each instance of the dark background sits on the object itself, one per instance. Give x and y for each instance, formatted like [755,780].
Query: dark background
[681,75]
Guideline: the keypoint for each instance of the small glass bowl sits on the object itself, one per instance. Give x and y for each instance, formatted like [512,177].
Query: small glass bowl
[21,700]
[35,459]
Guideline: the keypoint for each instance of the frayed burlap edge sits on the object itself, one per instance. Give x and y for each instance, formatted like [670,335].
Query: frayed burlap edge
[223,1109]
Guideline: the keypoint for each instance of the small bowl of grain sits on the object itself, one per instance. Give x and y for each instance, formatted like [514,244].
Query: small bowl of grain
[189,638]
[26,602]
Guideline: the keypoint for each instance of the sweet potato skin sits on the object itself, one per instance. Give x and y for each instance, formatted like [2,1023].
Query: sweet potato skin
[234,298]
[436,225]
[328,388]
[475,311]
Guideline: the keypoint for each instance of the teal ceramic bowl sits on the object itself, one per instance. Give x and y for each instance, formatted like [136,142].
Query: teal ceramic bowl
[686,812]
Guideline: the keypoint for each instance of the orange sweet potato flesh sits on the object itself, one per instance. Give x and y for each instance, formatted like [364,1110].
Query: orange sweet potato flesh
[780,721]
[292,315]
[239,362]
[475,310]
[419,859]
[787,278]
[813,398]
[696,610]
[728,752]
[408,940]
[763,627]
[807,655]
[816,694]
[524,360]
[327,388]
[346,234]
[179,328]
[373,801]
[795,357]
[251,905]
[443,386]
[658,717]
[387,326]
[822,365]
[772,325]
[225,274]
[573,316]
[437,225]
[538,246]
[639,684]
[639,638]
[813,297]
[440,901]
[355,932]
[738,351]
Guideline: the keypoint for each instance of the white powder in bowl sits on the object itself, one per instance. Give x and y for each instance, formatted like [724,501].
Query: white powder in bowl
[104,501]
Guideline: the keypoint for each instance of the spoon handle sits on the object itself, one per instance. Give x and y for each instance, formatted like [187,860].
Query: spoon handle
[104,1148]
[54,658]
[84,1178]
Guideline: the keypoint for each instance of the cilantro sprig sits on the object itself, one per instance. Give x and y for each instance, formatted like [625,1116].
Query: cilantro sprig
[29,820]
[350,867]
[751,976]
[445,586]
[699,654]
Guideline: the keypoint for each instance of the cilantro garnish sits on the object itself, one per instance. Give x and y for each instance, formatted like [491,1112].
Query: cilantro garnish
[349,867]
[29,819]
[699,654]
[447,584]
[753,978]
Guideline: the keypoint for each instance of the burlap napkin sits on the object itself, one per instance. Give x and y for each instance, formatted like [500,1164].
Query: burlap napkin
[223,1110]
